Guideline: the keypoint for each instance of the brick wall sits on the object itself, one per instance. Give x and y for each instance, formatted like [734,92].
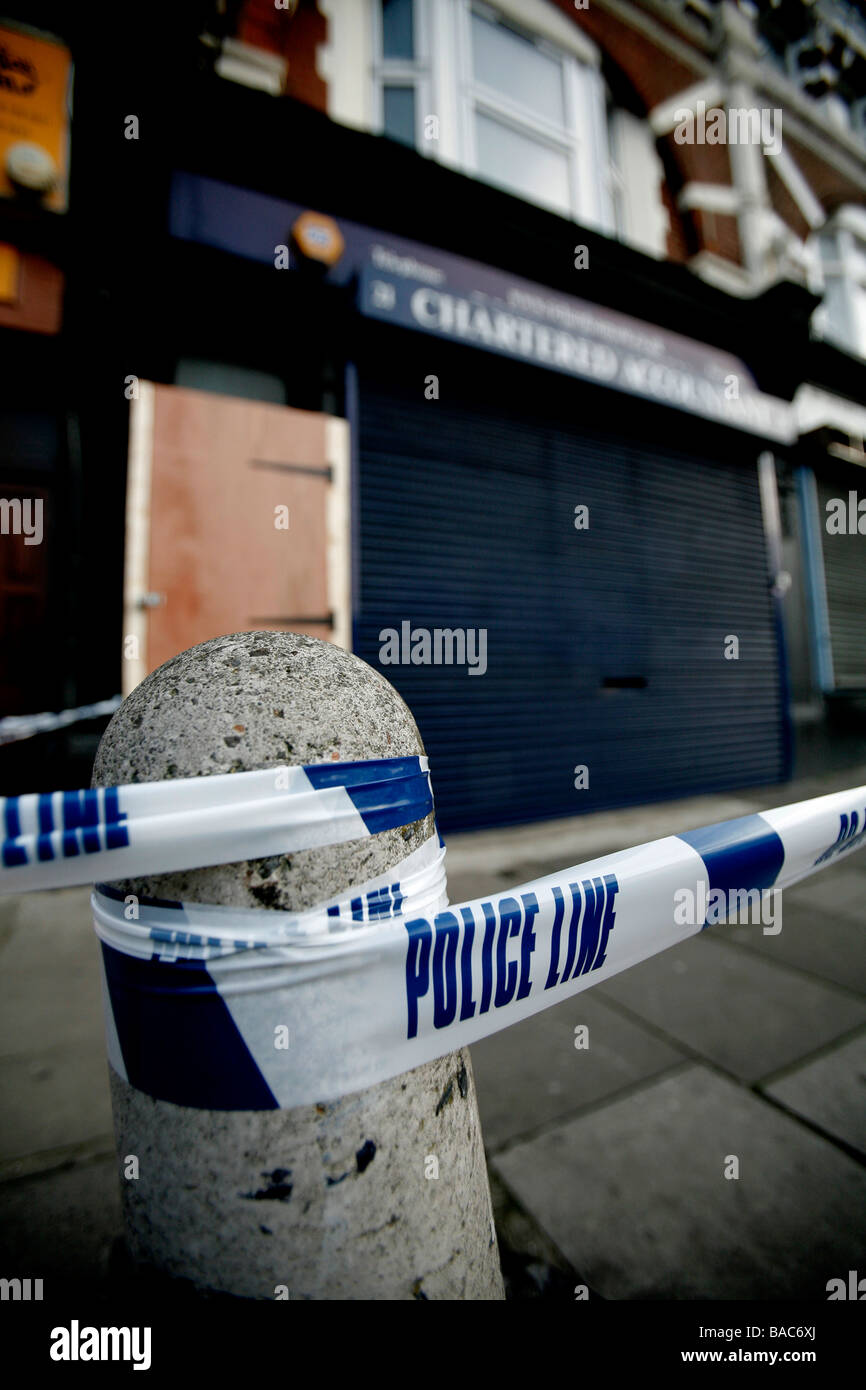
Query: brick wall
[295,37]
[639,71]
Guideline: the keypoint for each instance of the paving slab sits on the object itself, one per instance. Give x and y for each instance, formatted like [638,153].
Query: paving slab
[514,853]
[820,940]
[60,1226]
[829,779]
[56,1097]
[841,888]
[734,1008]
[830,1091]
[532,1266]
[634,1195]
[53,1070]
[50,989]
[531,1074]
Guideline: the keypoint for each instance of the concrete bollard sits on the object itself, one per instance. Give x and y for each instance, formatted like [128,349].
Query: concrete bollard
[327,1201]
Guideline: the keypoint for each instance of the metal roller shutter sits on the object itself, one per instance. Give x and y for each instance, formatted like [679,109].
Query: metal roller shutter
[845,578]
[604,646]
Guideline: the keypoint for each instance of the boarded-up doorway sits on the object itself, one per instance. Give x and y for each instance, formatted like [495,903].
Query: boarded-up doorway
[237,518]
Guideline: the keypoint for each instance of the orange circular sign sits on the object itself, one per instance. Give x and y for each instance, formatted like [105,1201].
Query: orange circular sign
[318,237]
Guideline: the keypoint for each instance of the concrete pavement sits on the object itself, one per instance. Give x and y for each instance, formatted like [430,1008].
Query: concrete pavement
[607,1163]
[610,1162]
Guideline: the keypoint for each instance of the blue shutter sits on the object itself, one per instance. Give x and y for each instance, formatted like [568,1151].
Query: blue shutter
[605,646]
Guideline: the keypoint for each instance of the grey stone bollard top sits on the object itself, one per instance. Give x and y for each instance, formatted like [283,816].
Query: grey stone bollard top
[245,701]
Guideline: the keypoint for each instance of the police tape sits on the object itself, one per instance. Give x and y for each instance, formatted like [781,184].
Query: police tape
[222,1008]
[56,839]
[16,727]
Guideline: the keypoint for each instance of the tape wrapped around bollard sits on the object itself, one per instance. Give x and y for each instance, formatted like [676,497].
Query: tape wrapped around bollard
[220,1008]
[56,839]
[214,1007]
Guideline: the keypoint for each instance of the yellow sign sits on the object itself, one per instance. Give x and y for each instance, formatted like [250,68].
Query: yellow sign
[10,262]
[35,78]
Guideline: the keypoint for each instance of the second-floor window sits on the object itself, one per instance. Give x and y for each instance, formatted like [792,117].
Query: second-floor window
[462,82]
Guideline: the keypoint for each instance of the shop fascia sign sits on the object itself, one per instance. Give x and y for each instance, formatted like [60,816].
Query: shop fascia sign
[470,303]
[419,287]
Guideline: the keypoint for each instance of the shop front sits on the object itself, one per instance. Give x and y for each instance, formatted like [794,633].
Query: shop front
[558,540]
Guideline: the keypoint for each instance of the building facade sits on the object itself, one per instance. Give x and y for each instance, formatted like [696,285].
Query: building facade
[520,347]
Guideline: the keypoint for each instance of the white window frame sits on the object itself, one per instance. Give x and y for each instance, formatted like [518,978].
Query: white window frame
[404,72]
[445,84]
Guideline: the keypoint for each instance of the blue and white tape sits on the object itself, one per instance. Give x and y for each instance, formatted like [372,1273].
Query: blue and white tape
[16,727]
[218,1008]
[55,839]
